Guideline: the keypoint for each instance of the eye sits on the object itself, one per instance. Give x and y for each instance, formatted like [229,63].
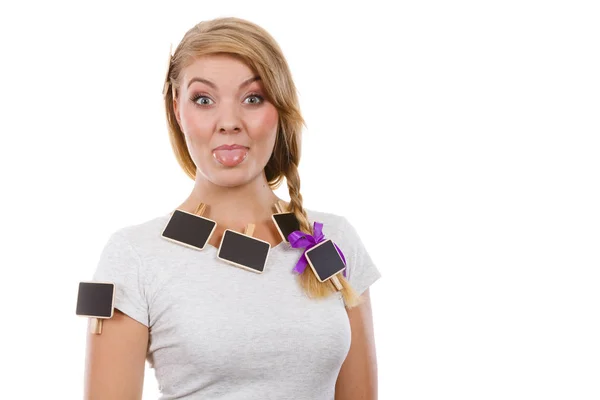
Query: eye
[199,97]
[257,96]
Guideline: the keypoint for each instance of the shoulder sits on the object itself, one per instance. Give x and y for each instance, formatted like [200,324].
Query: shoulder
[141,235]
[338,228]
[331,221]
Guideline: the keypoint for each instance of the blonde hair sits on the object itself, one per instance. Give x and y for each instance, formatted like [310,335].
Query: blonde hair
[257,49]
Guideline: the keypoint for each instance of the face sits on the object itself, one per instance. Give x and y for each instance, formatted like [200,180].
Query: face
[219,104]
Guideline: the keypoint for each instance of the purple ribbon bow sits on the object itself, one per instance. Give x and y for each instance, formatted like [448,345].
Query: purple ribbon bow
[299,239]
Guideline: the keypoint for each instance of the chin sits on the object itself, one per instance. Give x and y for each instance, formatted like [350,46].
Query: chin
[231,177]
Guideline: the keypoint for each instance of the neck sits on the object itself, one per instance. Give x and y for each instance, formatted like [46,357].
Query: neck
[233,206]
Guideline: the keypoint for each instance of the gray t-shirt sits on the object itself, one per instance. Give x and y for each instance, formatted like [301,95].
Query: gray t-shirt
[220,332]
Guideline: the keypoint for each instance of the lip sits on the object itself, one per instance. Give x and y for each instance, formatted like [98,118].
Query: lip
[230,147]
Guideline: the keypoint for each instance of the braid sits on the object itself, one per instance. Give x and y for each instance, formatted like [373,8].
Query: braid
[308,280]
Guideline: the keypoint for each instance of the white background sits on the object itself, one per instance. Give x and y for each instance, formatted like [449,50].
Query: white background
[461,138]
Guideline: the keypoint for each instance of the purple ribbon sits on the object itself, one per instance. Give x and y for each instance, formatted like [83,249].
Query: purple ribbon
[299,239]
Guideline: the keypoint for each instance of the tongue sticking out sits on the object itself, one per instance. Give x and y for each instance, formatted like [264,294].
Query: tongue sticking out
[230,158]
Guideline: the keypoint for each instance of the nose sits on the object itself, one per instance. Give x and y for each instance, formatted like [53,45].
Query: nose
[229,120]
[227,128]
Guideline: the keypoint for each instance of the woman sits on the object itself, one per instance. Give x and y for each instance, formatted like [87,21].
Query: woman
[211,330]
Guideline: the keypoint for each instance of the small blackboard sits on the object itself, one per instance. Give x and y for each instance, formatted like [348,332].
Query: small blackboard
[189,229]
[244,251]
[325,260]
[286,223]
[95,299]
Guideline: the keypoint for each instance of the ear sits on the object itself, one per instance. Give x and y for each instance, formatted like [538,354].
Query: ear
[176,108]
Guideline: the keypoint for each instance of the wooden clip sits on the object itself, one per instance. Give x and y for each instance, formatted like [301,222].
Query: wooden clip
[279,206]
[285,222]
[336,282]
[96,326]
[326,262]
[249,230]
[244,250]
[200,209]
[189,229]
[96,300]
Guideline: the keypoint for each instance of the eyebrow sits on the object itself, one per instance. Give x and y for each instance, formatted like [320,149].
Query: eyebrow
[212,85]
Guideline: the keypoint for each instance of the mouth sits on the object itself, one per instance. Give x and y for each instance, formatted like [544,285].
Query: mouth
[230,157]
[230,147]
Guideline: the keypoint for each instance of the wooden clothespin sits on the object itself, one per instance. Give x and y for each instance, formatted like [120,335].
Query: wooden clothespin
[95,300]
[191,230]
[285,222]
[326,262]
[243,250]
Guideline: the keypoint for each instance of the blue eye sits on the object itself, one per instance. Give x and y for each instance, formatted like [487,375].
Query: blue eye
[196,98]
[261,99]
[201,96]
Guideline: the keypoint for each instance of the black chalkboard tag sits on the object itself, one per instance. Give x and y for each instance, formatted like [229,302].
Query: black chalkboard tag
[326,262]
[286,222]
[96,300]
[190,230]
[243,250]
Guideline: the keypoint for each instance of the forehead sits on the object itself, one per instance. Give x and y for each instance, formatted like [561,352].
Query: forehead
[226,71]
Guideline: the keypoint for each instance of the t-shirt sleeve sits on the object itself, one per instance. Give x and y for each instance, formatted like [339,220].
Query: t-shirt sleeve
[120,264]
[361,271]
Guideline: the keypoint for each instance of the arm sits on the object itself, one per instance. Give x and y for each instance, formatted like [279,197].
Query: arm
[357,379]
[116,360]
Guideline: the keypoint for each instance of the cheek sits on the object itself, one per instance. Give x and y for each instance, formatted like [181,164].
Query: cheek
[192,122]
[264,125]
